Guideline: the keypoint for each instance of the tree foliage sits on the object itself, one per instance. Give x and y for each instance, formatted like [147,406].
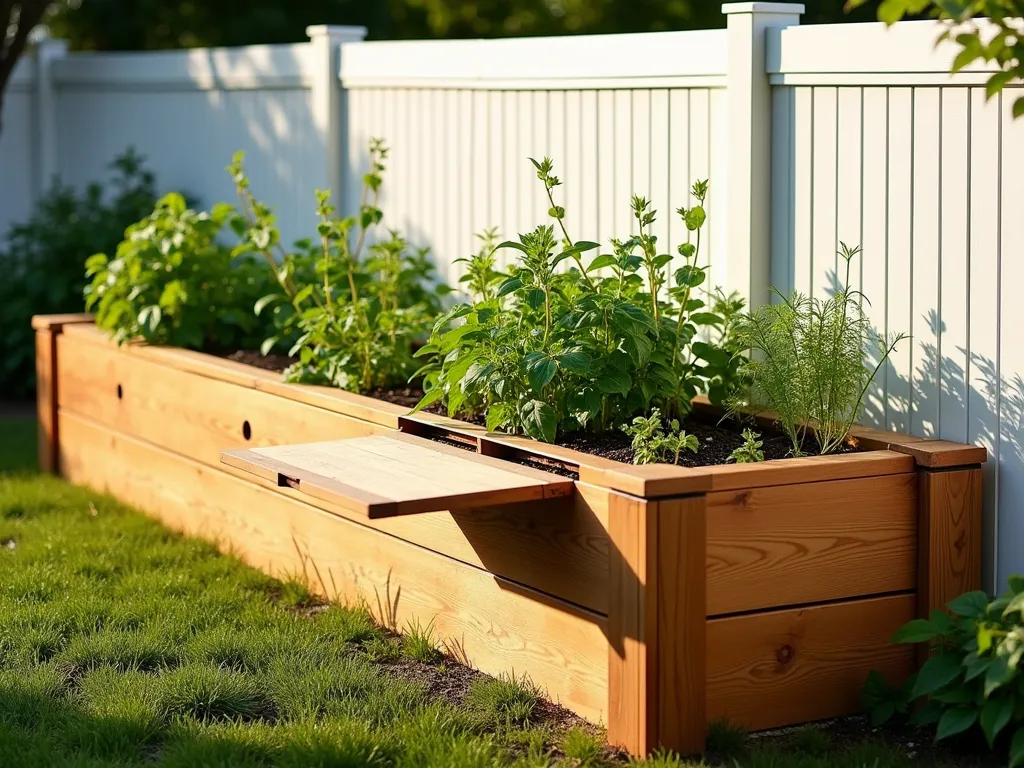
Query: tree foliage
[160,24]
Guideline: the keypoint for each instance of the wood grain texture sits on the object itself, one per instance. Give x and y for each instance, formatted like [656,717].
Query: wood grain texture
[46,398]
[629,688]
[926,451]
[187,413]
[250,377]
[812,542]
[500,625]
[780,667]
[519,546]
[681,597]
[390,475]
[950,522]
[57,322]
[656,624]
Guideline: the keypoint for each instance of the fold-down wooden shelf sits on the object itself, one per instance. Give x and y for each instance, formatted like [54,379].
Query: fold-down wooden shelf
[399,474]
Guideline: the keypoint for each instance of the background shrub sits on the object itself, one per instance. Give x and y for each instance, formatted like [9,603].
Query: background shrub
[42,257]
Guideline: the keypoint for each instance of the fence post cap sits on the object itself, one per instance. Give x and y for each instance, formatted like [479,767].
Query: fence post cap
[337,33]
[759,7]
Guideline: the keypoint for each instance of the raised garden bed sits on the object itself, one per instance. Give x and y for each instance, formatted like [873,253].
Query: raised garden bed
[652,598]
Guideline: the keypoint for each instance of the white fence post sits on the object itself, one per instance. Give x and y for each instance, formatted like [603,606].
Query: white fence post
[45,160]
[329,111]
[748,209]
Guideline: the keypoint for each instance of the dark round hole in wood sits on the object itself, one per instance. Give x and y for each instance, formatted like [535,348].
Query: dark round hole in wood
[120,392]
[246,430]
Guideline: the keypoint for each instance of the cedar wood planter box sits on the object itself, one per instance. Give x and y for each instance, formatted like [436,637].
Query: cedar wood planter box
[653,599]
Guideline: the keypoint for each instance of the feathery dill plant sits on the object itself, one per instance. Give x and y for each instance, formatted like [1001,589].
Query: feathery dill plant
[808,361]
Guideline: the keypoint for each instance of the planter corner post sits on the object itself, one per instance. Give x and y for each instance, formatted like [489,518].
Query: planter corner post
[657,624]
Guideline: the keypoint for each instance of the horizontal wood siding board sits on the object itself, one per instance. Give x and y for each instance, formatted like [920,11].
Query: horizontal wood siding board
[208,366]
[781,667]
[500,625]
[518,543]
[189,414]
[809,543]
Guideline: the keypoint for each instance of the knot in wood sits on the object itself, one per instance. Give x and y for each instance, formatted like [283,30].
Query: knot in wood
[785,654]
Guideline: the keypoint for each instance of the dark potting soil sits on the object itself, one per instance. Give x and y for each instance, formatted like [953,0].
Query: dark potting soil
[267,362]
[717,439]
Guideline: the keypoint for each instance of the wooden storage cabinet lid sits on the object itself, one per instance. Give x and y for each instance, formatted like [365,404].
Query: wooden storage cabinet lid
[398,474]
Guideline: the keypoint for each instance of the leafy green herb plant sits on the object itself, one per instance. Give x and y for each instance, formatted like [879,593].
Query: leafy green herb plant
[349,306]
[974,676]
[652,442]
[171,282]
[545,349]
[750,452]
[42,257]
[807,361]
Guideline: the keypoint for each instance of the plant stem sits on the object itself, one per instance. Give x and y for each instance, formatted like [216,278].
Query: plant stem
[565,234]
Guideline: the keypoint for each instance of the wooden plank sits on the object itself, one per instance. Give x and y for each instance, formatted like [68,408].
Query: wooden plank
[656,624]
[518,541]
[190,414]
[934,454]
[46,397]
[57,322]
[211,367]
[656,480]
[518,544]
[498,624]
[949,552]
[813,542]
[389,475]
[629,725]
[680,586]
[771,669]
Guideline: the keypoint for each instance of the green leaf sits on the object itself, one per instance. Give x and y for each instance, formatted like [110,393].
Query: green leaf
[581,247]
[1018,107]
[975,666]
[689,276]
[539,420]
[541,373]
[429,398]
[268,344]
[955,720]
[513,244]
[1002,669]
[972,605]
[263,302]
[936,672]
[916,631]
[995,715]
[1017,748]
[604,260]
[928,714]
[149,317]
[577,362]
[713,355]
[498,415]
[509,285]
[584,405]
[695,218]
[614,383]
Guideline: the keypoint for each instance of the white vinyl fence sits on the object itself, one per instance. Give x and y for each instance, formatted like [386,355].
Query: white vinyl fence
[810,136]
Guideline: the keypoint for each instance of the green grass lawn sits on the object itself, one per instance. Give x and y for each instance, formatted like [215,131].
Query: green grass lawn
[122,644]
